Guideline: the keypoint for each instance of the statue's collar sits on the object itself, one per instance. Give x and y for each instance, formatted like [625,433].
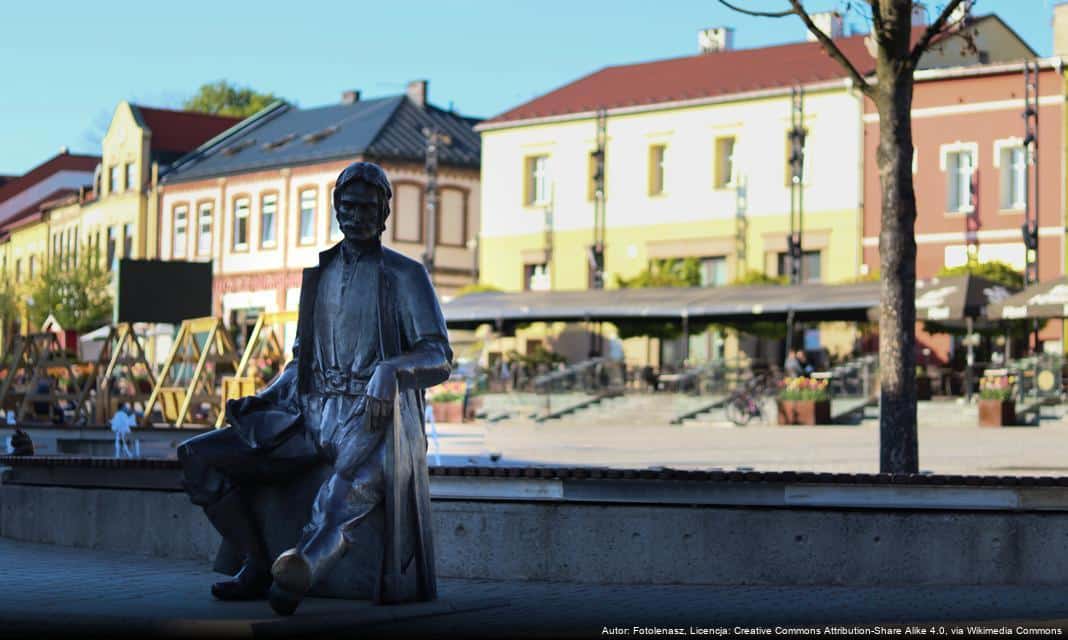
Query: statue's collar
[351,249]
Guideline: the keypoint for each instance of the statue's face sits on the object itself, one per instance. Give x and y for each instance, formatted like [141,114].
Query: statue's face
[359,211]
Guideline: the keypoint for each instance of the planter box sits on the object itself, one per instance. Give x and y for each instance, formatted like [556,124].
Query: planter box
[804,412]
[448,411]
[923,388]
[996,413]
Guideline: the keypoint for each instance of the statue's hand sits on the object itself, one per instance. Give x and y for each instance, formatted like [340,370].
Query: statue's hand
[381,391]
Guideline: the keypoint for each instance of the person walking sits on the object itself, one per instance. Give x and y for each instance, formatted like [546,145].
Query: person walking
[121,424]
[428,418]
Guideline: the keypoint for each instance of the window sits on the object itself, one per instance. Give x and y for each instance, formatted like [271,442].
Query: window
[204,220]
[536,183]
[1013,177]
[656,169]
[181,226]
[18,269]
[127,240]
[724,166]
[536,277]
[268,215]
[131,176]
[802,158]
[113,244]
[714,271]
[407,217]
[33,267]
[307,216]
[74,248]
[334,232]
[960,168]
[596,169]
[113,179]
[57,248]
[67,237]
[452,223]
[810,265]
[241,224]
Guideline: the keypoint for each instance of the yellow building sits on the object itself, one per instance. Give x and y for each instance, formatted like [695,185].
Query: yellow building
[696,164]
[140,143]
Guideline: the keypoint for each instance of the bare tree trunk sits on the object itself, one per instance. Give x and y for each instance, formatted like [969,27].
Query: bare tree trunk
[899,443]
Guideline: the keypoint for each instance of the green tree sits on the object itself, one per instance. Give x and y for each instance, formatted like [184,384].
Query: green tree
[666,272]
[78,297]
[999,272]
[751,278]
[224,99]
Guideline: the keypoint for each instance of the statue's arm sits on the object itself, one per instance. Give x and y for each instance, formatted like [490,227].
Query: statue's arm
[427,362]
[283,389]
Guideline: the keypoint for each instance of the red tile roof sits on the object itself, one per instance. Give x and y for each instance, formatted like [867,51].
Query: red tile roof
[182,131]
[61,162]
[695,77]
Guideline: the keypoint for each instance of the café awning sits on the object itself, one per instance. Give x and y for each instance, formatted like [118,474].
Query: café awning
[1042,300]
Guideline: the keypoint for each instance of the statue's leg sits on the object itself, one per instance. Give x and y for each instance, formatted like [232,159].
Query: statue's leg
[344,501]
[204,459]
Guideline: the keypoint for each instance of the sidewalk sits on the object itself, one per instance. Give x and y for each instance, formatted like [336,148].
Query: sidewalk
[55,590]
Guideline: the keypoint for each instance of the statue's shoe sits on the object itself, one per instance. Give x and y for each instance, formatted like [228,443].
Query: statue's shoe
[292,579]
[249,584]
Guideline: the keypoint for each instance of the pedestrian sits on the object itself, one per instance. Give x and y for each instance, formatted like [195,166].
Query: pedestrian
[428,418]
[121,424]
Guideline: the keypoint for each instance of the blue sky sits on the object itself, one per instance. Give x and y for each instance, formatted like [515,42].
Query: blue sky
[67,64]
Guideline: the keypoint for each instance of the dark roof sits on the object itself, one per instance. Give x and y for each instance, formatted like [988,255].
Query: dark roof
[181,131]
[33,211]
[710,75]
[61,162]
[382,128]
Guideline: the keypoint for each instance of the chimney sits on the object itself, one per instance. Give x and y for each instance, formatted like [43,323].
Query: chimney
[829,22]
[417,92]
[715,39]
[1060,29]
[351,96]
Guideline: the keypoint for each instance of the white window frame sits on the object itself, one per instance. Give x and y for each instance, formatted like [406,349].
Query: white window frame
[1016,176]
[333,228]
[131,175]
[273,226]
[539,169]
[242,207]
[943,164]
[205,213]
[181,230]
[314,200]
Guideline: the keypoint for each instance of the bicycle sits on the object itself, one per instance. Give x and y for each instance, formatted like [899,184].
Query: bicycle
[746,401]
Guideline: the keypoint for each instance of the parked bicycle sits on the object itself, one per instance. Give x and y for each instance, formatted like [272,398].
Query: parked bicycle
[747,400]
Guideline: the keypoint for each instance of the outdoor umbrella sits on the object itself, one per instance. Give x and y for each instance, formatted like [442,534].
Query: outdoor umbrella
[1042,300]
[957,301]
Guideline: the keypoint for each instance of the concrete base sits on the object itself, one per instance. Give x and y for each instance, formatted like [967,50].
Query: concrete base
[617,543]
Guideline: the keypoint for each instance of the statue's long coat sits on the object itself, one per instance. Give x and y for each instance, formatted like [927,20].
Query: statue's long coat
[414,340]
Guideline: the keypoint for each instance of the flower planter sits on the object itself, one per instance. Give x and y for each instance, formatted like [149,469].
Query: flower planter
[997,413]
[808,412]
[448,411]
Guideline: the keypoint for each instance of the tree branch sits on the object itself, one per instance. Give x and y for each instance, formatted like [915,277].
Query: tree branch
[832,49]
[934,29]
[759,14]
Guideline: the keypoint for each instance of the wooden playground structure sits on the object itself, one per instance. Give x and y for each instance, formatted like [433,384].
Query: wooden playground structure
[44,383]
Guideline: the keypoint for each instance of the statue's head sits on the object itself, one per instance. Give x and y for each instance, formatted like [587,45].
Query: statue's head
[361,201]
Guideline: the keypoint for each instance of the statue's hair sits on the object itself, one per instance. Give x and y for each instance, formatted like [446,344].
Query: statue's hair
[373,175]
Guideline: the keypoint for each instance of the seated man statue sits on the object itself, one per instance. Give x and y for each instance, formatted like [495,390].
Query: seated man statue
[370,337]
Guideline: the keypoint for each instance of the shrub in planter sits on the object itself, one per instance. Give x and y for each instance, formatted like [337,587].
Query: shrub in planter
[804,401]
[447,406]
[997,401]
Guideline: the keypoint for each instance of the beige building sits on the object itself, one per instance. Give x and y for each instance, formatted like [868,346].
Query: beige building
[258,201]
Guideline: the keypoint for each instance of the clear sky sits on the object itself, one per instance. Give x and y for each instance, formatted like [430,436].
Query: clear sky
[67,64]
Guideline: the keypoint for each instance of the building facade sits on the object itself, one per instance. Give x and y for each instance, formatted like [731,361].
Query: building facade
[258,202]
[696,163]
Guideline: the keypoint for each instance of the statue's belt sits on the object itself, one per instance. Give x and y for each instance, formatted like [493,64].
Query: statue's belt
[337,381]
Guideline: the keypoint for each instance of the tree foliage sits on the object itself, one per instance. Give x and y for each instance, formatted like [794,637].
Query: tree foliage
[78,297]
[752,277]
[665,272]
[995,271]
[224,99]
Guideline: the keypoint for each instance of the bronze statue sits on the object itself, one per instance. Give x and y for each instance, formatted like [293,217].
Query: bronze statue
[370,337]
